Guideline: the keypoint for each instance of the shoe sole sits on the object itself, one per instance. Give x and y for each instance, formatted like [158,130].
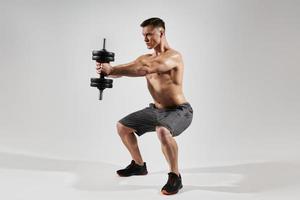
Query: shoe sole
[143,174]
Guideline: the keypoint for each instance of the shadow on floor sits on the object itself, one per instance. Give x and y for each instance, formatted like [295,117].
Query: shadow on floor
[256,177]
[99,176]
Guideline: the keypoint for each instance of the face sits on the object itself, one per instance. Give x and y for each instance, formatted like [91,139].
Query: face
[152,36]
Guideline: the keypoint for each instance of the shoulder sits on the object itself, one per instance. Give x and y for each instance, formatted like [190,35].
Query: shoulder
[172,53]
[144,56]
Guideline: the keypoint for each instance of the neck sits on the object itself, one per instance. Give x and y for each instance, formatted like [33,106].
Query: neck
[162,46]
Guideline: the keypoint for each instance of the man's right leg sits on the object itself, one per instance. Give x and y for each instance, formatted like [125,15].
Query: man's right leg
[130,141]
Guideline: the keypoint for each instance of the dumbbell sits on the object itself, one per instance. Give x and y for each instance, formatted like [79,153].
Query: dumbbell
[102,56]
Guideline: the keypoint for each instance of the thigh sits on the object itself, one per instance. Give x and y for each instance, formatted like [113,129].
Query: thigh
[177,120]
[141,121]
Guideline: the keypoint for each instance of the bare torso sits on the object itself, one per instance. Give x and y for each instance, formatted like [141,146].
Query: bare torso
[166,88]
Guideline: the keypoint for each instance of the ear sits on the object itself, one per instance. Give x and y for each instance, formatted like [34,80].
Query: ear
[162,32]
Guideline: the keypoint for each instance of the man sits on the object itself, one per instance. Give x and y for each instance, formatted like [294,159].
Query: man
[169,115]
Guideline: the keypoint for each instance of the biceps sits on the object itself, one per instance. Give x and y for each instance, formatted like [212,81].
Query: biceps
[156,66]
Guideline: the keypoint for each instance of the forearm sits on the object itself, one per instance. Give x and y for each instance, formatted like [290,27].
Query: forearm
[133,69]
[114,76]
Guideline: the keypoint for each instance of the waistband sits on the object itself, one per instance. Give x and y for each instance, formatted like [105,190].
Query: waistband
[183,105]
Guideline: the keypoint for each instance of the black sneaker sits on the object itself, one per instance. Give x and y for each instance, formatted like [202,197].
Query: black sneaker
[173,185]
[133,169]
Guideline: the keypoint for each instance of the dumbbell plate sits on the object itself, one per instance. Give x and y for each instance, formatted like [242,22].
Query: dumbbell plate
[104,53]
[103,59]
[99,80]
[102,85]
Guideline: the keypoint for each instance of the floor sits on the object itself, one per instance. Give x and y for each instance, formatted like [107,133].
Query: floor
[31,177]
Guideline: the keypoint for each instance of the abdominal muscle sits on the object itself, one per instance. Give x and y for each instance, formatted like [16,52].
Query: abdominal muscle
[164,91]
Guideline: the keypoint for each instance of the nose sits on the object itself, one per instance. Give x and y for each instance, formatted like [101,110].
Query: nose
[146,39]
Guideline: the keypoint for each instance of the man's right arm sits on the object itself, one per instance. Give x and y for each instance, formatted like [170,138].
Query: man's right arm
[146,64]
[132,69]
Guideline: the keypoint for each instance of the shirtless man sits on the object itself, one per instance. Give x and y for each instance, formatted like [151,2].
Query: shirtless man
[170,113]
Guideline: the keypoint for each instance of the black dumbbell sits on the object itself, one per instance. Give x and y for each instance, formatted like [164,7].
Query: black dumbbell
[102,56]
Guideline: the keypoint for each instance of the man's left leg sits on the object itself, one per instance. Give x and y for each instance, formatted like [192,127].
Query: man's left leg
[170,150]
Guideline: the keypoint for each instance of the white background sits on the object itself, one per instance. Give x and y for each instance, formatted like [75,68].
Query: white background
[241,76]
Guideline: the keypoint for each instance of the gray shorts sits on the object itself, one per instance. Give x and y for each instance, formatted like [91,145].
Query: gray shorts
[176,119]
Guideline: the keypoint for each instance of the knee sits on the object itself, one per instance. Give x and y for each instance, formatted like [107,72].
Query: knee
[164,135]
[123,130]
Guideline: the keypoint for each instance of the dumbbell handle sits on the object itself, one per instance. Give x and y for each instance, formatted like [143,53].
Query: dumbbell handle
[104,40]
[102,75]
[100,94]
[101,91]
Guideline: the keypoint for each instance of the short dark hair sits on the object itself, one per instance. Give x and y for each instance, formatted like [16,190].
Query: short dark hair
[154,21]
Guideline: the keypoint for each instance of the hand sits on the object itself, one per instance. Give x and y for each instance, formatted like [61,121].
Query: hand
[103,68]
